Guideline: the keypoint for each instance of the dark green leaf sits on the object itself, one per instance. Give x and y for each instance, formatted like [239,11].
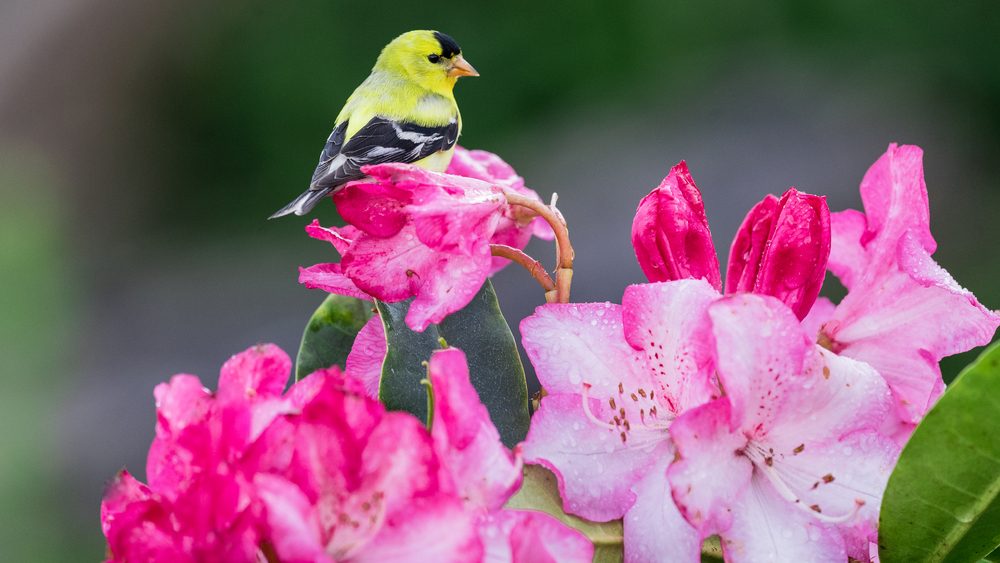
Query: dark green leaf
[330,333]
[943,499]
[480,331]
[540,492]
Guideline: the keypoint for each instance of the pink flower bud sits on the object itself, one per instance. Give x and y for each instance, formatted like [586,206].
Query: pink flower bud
[670,232]
[781,249]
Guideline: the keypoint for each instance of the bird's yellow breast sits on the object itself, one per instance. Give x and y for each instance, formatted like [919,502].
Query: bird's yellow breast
[388,96]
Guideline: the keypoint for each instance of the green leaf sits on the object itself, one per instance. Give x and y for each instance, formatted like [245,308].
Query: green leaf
[330,333]
[943,499]
[480,331]
[540,492]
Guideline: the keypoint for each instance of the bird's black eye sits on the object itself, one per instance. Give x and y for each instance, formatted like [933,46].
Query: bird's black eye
[434,58]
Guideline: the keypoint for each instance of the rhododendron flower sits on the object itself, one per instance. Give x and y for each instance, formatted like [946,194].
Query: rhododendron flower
[324,473]
[517,225]
[359,483]
[421,234]
[615,377]
[780,250]
[903,312]
[789,465]
[200,504]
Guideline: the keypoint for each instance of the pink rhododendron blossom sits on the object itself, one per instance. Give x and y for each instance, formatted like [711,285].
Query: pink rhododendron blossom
[780,250]
[810,464]
[670,232]
[487,473]
[359,483]
[615,377]
[200,503]
[516,227]
[364,362]
[421,234]
[903,312]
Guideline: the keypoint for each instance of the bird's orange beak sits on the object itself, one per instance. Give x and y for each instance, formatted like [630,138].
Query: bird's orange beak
[461,67]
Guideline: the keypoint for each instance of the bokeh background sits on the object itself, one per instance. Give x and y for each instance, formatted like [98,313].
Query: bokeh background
[142,145]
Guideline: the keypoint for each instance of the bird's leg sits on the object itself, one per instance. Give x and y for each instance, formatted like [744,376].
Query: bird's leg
[564,249]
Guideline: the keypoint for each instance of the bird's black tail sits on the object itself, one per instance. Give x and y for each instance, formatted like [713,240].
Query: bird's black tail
[302,204]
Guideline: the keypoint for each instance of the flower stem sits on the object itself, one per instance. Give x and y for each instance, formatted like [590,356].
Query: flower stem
[533,266]
[564,249]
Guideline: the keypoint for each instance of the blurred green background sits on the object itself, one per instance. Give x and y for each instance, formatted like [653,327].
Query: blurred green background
[142,144]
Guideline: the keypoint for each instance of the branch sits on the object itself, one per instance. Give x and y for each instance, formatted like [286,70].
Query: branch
[533,266]
[564,249]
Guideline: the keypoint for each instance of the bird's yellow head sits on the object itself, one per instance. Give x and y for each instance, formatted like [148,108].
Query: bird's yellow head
[430,59]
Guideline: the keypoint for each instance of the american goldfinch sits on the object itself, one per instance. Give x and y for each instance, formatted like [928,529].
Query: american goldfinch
[405,111]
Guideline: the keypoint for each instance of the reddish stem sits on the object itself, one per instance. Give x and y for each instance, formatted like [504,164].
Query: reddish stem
[564,249]
[533,266]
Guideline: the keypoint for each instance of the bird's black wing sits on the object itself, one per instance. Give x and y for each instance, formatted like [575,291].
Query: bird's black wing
[380,140]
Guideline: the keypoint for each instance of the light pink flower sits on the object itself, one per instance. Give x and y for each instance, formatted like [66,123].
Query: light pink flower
[200,503]
[789,465]
[415,233]
[903,312]
[615,377]
[780,250]
[487,474]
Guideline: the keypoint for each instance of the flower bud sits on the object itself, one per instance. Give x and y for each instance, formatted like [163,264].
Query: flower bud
[670,232]
[781,249]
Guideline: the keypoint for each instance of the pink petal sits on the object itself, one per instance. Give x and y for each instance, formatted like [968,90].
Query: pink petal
[708,476]
[122,492]
[364,362]
[760,344]
[524,536]
[669,323]
[447,285]
[848,258]
[340,237]
[821,312]
[594,465]
[464,436]
[330,278]
[782,249]
[765,528]
[445,224]
[654,527]
[670,232]
[435,528]
[260,371]
[895,199]
[582,343]
[905,321]
[375,208]
[294,530]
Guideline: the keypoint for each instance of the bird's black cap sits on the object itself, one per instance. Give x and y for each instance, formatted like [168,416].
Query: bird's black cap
[449,48]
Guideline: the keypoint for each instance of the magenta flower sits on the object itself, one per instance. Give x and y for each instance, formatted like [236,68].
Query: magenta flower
[670,232]
[200,504]
[357,483]
[810,464]
[616,376]
[903,312]
[780,250]
[414,233]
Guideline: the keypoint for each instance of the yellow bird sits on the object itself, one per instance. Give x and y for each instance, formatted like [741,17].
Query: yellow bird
[405,111]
